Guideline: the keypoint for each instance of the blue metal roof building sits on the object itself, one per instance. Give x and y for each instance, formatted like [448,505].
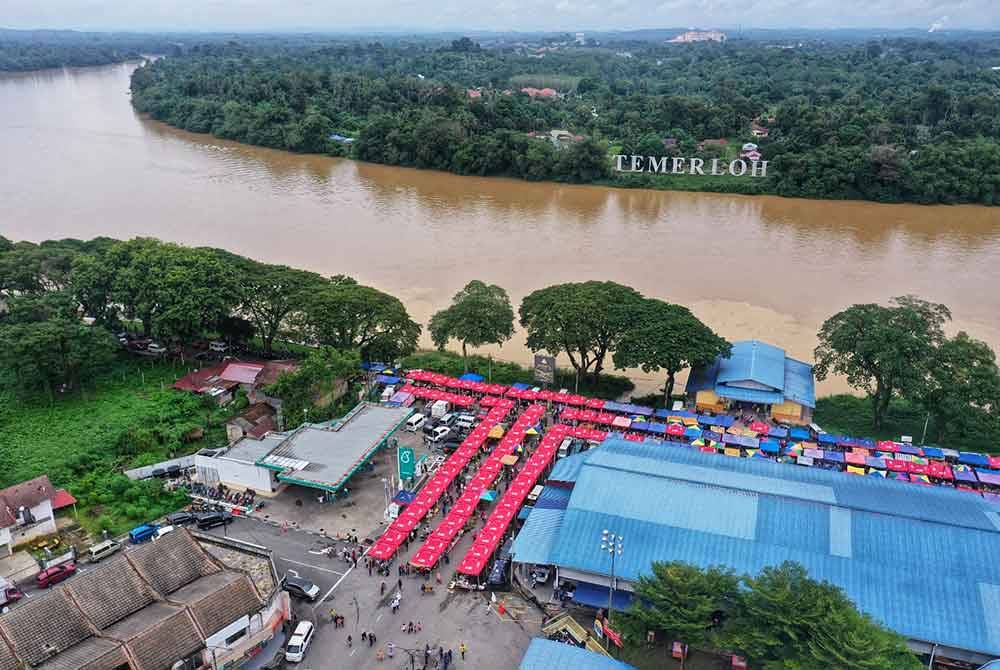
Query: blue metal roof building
[545,654]
[922,560]
[761,374]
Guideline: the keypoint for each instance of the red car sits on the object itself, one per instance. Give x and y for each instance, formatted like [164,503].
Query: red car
[9,596]
[55,574]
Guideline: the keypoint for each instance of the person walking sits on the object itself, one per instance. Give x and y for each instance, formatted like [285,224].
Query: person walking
[399,583]
[371,639]
[462,649]
[381,591]
[348,640]
[364,636]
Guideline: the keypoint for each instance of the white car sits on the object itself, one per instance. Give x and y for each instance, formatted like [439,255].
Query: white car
[439,434]
[299,642]
[163,530]
[218,346]
[156,348]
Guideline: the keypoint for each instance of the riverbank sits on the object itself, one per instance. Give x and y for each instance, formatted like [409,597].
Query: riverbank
[83,164]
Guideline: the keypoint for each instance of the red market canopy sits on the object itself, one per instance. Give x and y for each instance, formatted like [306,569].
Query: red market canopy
[760,428]
[595,403]
[675,429]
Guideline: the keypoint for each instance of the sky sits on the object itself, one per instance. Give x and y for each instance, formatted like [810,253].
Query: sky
[500,15]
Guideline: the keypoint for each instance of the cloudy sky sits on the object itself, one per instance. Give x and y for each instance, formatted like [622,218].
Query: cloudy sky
[244,15]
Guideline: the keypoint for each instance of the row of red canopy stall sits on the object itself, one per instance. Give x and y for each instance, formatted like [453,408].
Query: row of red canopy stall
[506,510]
[438,542]
[397,532]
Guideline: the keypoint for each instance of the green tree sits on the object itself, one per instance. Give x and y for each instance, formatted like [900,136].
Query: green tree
[787,621]
[962,391]
[479,314]
[882,350]
[303,392]
[347,315]
[668,337]
[270,293]
[585,320]
[679,601]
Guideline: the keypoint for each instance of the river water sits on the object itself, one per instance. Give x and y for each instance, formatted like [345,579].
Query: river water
[77,161]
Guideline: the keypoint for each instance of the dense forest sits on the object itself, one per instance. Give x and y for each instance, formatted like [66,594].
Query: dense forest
[892,120]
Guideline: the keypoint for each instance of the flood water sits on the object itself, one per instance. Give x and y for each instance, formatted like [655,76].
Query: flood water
[76,161]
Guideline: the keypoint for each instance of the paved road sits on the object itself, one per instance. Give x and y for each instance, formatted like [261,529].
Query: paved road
[446,619]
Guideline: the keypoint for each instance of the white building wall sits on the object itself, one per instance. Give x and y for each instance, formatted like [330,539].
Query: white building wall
[45,524]
[239,475]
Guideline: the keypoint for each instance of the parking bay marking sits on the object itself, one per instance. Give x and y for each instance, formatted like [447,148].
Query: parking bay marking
[309,565]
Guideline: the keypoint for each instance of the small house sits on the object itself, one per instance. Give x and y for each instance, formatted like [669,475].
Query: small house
[27,511]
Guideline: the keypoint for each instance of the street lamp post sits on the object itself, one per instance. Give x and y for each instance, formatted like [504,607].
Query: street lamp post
[613,544]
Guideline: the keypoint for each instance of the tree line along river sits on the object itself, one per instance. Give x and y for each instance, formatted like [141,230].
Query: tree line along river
[77,161]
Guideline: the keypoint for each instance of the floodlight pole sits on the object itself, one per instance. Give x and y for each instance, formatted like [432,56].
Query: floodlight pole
[613,544]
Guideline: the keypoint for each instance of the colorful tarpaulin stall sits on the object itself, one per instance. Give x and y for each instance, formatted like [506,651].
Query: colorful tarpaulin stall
[778,432]
[828,438]
[855,470]
[621,422]
[760,427]
[988,476]
[963,473]
[675,429]
[799,434]
[933,452]
[910,449]
[874,462]
[940,471]
[877,473]
[691,433]
[854,458]
[805,460]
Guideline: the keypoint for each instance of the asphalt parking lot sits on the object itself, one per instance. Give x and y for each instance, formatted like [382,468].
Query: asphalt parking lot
[446,619]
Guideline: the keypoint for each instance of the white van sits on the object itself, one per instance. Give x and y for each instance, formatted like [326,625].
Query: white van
[299,642]
[103,550]
[564,447]
[415,422]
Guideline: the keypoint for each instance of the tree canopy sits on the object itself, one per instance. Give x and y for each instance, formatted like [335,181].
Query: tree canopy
[668,337]
[586,321]
[882,350]
[479,314]
[899,119]
[780,619]
[270,294]
[347,315]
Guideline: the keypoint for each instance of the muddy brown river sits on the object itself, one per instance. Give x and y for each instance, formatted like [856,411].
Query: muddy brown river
[77,161]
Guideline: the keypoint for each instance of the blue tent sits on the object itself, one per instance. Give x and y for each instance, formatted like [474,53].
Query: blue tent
[706,420]
[386,379]
[800,434]
[472,377]
[933,452]
[778,432]
[374,367]
[972,458]
[519,386]
[404,497]
[657,428]
[833,456]
[640,425]
[828,438]
[770,446]
[690,432]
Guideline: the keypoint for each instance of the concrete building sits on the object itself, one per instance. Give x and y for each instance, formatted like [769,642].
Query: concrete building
[756,376]
[920,560]
[27,511]
[186,601]
[320,456]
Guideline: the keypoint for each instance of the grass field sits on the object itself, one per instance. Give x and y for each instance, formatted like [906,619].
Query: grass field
[82,441]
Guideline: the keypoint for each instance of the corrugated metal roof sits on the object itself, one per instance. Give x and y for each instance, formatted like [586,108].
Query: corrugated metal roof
[800,386]
[553,497]
[749,395]
[545,654]
[567,469]
[921,560]
[535,541]
[753,360]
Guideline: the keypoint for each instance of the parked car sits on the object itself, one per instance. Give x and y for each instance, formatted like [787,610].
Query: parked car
[218,346]
[439,434]
[142,533]
[447,420]
[465,421]
[415,422]
[104,549]
[300,588]
[10,595]
[55,574]
[212,519]
[161,531]
[156,348]
[299,642]
[180,518]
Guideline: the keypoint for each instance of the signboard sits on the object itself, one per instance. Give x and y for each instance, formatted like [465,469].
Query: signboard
[691,166]
[406,462]
[599,628]
[545,369]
